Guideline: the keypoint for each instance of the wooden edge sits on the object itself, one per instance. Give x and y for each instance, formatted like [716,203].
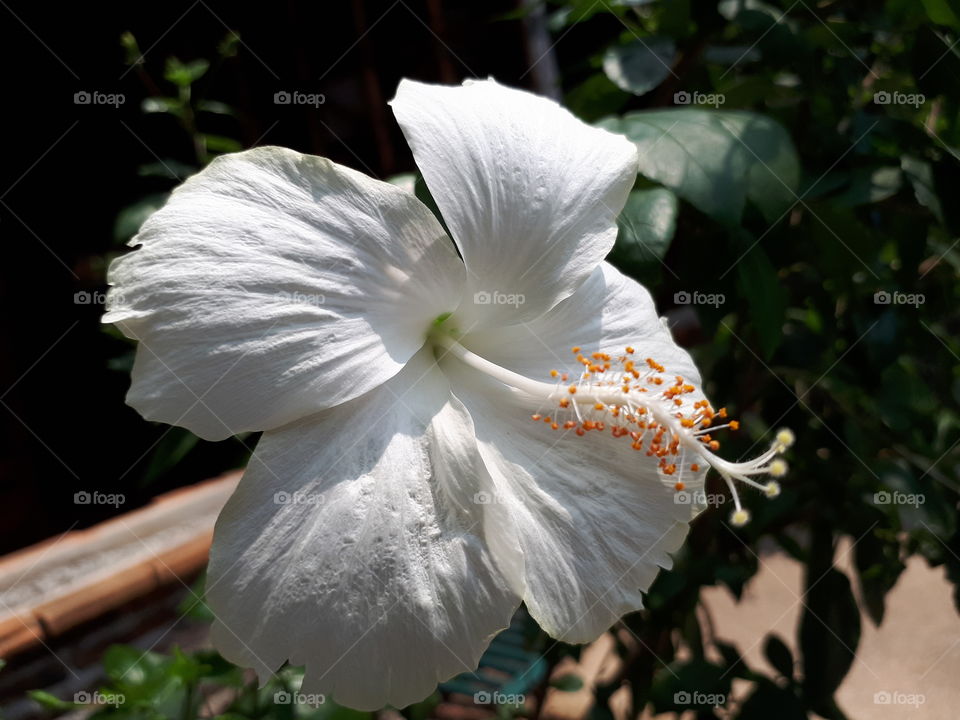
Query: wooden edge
[28,628]
[48,550]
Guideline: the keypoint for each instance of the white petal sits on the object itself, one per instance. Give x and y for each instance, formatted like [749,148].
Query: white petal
[608,313]
[378,579]
[529,192]
[594,520]
[273,285]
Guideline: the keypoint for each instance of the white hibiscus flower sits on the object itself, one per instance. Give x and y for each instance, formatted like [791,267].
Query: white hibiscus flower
[401,502]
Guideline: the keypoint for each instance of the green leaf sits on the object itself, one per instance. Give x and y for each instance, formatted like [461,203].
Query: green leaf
[130,219]
[128,665]
[829,635]
[185,74]
[878,568]
[765,296]
[696,684]
[646,226]
[228,46]
[194,605]
[216,107]
[870,185]
[50,702]
[943,12]
[641,65]
[595,97]
[221,143]
[567,683]
[771,701]
[716,160]
[131,50]
[407,181]
[779,656]
[423,195]
[172,106]
[167,168]
[175,444]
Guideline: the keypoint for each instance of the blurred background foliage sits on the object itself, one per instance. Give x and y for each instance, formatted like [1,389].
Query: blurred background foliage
[797,165]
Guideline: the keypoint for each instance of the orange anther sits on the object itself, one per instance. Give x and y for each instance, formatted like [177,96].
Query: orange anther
[694,467]
[679,486]
[572,389]
[536,416]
